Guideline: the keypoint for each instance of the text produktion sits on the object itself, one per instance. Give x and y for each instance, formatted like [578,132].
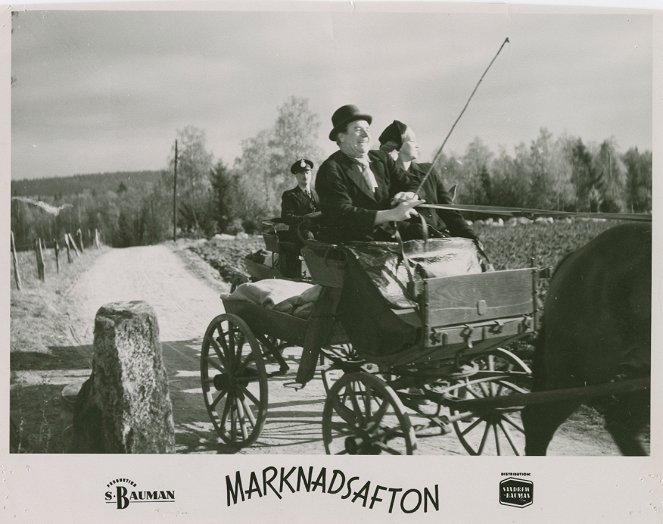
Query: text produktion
[274,481]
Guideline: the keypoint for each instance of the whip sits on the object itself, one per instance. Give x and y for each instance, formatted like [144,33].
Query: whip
[526,212]
[439,151]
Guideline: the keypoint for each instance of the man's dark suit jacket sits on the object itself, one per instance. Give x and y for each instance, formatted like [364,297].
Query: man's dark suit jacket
[295,203]
[433,192]
[346,201]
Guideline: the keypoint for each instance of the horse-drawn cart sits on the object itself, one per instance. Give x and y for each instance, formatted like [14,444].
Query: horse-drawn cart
[413,335]
[435,344]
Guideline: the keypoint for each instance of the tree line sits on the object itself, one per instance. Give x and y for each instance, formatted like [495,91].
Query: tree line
[562,173]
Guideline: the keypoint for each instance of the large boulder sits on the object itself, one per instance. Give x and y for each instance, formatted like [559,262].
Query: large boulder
[125,406]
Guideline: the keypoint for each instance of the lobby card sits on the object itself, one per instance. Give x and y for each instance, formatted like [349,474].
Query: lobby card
[527,107]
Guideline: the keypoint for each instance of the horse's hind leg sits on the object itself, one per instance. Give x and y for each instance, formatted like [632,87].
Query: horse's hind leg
[624,419]
[540,423]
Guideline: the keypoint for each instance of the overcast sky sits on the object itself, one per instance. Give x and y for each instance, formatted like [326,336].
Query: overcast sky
[107,91]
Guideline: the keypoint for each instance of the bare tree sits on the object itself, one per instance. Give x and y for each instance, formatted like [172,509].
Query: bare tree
[193,167]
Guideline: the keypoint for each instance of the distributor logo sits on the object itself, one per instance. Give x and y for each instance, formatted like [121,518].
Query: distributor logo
[516,492]
[121,492]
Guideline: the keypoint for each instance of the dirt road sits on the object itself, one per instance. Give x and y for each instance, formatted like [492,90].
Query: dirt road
[185,295]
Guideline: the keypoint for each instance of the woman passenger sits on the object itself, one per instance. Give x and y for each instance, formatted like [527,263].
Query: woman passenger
[399,141]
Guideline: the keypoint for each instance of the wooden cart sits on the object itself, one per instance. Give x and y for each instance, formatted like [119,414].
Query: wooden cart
[456,376]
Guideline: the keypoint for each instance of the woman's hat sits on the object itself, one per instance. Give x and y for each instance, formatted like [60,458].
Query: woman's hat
[343,116]
[301,165]
[393,133]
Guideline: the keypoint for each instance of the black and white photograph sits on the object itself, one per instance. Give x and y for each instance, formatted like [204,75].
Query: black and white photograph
[260,249]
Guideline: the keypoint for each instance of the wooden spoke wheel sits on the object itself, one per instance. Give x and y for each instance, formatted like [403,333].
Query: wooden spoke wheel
[343,352]
[498,431]
[344,359]
[234,380]
[503,360]
[364,416]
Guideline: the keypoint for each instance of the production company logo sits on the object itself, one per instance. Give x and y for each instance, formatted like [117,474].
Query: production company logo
[122,491]
[516,492]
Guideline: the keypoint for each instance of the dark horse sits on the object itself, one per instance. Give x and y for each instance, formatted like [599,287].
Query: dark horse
[596,329]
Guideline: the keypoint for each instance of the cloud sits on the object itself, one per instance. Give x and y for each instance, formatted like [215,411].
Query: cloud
[118,81]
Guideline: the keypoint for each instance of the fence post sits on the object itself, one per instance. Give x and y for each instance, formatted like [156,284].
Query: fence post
[17,276]
[40,262]
[79,236]
[36,256]
[66,244]
[41,259]
[73,244]
[57,256]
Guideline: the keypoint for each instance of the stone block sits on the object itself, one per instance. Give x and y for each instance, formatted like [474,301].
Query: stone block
[125,406]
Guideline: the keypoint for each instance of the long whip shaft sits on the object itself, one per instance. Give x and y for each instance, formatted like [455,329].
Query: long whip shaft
[439,151]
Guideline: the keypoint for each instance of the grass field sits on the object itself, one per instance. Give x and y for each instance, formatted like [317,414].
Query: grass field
[39,341]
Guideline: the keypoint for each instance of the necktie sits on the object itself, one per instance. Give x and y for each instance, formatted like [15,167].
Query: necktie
[368,175]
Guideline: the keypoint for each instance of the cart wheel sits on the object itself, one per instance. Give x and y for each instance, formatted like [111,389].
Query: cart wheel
[234,380]
[344,359]
[504,361]
[343,352]
[363,416]
[500,431]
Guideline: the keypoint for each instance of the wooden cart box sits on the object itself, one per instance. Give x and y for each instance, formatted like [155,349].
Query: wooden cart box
[449,306]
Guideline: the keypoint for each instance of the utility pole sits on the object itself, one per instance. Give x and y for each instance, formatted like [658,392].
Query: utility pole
[175,198]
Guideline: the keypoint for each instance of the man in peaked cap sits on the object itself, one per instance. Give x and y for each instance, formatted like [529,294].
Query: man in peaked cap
[302,199]
[295,203]
[400,142]
[357,186]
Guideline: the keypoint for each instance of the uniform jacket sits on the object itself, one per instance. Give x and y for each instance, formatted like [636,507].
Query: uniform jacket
[433,192]
[346,201]
[295,203]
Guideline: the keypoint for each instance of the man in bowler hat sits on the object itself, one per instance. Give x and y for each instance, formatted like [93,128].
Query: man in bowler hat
[400,142]
[302,199]
[357,186]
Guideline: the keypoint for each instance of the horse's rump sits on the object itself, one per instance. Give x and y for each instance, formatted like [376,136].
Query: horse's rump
[597,314]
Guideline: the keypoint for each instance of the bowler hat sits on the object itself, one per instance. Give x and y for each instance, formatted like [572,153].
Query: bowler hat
[301,165]
[343,116]
[393,133]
